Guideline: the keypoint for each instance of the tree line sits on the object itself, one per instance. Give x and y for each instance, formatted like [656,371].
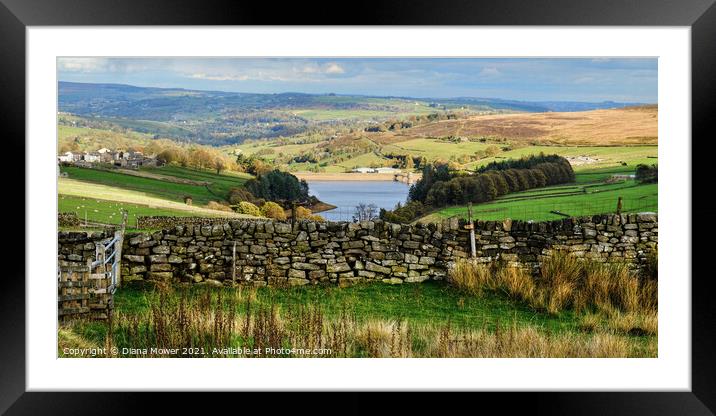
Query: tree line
[440,186]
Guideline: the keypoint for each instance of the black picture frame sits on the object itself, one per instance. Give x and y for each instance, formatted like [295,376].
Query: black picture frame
[699,15]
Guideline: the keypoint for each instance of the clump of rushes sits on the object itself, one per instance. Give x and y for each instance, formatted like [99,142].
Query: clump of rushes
[608,291]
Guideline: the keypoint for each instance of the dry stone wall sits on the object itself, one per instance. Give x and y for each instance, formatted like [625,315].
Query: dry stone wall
[75,248]
[268,252]
[162,222]
[67,219]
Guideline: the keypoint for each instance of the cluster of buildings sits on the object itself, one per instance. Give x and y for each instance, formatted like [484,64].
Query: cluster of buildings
[120,158]
[376,170]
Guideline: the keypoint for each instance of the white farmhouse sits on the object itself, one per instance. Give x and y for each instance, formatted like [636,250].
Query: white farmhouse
[386,170]
[363,170]
[66,157]
[91,157]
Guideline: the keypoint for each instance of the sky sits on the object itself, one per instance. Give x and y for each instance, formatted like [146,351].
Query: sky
[525,79]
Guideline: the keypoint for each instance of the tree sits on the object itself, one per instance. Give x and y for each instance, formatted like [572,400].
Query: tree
[277,185]
[409,163]
[365,212]
[647,174]
[168,156]
[200,158]
[219,165]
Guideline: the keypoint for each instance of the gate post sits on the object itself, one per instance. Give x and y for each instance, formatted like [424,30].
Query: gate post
[471,226]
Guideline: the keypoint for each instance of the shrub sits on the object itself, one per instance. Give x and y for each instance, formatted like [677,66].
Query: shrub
[237,195]
[302,213]
[248,208]
[218,206]
[273,210]
[647,174]
[403,213]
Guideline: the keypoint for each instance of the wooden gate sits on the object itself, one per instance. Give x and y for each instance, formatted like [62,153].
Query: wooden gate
[87,291]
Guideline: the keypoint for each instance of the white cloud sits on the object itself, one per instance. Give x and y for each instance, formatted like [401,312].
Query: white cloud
[490,71]
[334,68]
[219,77]
[82,64]
[306,72]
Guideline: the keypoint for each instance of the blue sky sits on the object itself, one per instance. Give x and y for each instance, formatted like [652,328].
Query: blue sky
[528,79]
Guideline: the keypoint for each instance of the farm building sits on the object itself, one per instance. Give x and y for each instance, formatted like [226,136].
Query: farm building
[386,170]
[363,170]
[91,157]
[68,157]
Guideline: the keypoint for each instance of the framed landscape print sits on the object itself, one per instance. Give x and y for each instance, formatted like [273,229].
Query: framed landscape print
[363,208]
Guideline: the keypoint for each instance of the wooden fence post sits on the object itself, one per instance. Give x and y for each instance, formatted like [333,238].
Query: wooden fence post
[471,227]
[233,265]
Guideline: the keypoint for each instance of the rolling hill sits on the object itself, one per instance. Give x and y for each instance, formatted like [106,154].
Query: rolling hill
[626,126]
[220,118]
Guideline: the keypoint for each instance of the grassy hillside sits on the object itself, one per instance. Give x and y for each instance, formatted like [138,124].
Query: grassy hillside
[586,197]
[637,125]
[220,184]
[103,203]
[85,139]
[201,195]
[110,211]
[608,137]
[605,156]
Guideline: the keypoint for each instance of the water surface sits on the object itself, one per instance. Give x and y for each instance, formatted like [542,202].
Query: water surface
[345,195]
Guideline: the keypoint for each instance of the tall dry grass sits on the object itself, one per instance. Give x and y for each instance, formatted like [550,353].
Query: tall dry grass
[564,281]
[613,291]
[217,319]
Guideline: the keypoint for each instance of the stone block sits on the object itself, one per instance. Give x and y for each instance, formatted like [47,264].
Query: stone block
[370,266]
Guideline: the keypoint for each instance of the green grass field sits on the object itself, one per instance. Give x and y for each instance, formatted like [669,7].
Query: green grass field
[434,149]
[201,195]
[364,160]
[109,212]
[430,303]
[609,156]
[286,149]
[586,197]
[221,184]
[427,311]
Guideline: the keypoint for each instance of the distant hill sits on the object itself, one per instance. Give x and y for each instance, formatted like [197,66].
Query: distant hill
[635,125]
[219,118]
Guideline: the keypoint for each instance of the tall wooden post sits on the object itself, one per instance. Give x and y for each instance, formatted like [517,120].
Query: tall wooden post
[233,265]
[471,227]
[619,205]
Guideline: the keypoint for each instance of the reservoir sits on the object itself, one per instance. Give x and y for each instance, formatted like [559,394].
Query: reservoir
[345,195]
